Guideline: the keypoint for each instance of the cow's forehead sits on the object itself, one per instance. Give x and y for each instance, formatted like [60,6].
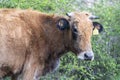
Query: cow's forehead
[79,14]
[83,20]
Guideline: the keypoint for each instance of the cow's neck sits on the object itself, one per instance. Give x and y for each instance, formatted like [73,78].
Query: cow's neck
[67,39]
[57,40]
[62,46]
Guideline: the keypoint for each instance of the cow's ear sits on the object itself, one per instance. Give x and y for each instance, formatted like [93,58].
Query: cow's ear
[97,28]
[63,24]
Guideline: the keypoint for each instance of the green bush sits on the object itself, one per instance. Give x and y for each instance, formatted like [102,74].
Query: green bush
[106,47]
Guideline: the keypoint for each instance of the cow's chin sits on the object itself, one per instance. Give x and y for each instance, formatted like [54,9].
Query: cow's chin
[52,66]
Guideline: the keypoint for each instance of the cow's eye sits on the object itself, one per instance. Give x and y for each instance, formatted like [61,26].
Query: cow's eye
[74,31]
[74,28]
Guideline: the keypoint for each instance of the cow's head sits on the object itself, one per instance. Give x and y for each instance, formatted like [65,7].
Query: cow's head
[81,26]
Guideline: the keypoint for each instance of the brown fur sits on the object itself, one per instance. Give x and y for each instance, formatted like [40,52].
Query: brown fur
[28,42]
[31,44]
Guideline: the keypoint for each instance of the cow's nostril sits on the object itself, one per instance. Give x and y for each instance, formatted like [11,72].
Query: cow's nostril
[87,57]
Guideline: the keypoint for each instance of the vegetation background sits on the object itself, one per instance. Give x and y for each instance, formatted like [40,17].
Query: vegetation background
[106,46]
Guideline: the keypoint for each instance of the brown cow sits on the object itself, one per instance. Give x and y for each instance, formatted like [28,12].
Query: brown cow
[31,42]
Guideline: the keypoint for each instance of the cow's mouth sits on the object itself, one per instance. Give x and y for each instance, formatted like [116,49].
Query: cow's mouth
[86,55]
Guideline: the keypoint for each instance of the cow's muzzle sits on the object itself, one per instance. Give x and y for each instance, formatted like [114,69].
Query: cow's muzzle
[86,55]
